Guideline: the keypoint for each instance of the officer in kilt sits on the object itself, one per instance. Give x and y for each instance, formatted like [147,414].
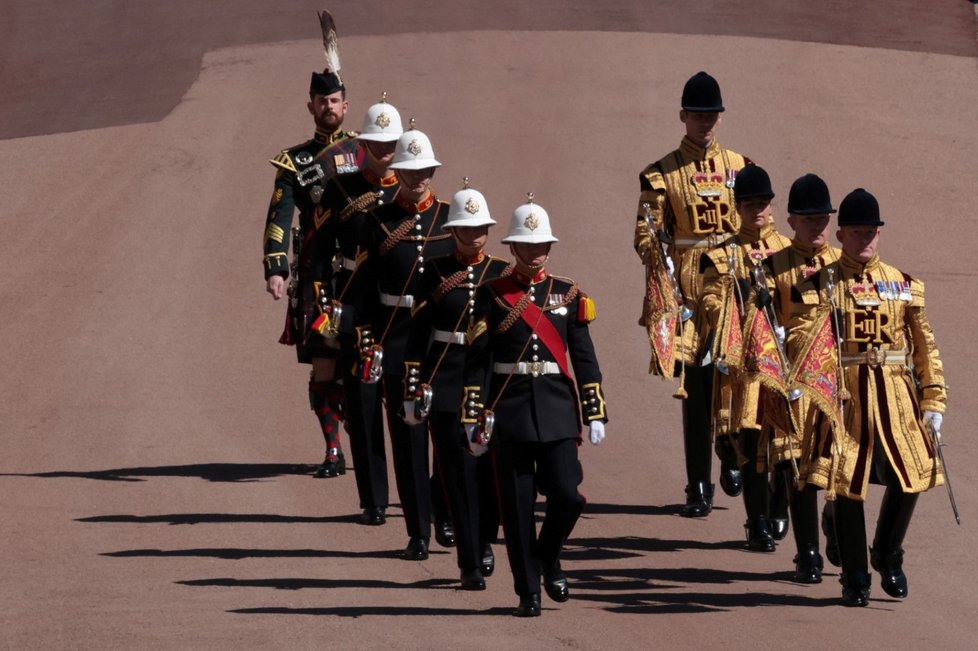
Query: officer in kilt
[301,175]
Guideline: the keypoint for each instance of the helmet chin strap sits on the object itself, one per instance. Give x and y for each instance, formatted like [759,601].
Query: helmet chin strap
[528,269]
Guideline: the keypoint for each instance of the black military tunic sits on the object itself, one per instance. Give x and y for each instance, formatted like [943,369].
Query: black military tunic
[523,331]
[403,237]
[301,176]
[348,203]
[436,356]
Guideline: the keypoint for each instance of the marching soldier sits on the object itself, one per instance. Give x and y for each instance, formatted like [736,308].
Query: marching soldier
[524,329]
[435,364]
[301,175]
[687,205]
[809,211]
[727,299]
[891,382]
[348,204]
[405,235]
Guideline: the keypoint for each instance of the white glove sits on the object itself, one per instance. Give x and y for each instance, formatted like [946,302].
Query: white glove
[779,333]
[933,420]
[670,265]
[596,432]
[409,416]
[476,449]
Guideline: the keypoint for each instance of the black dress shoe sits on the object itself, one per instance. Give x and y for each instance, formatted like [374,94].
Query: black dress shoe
[445,533]
[555,583]
[529,606]
[472,580]
[731,481]
[890,567]
[416,550]
[699,500]
[855,589]
[779,528]
[488,560]
[373,516]
[808,567]
[759,538]
[334,465]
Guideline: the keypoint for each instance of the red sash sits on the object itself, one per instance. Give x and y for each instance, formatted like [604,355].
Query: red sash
[533,316]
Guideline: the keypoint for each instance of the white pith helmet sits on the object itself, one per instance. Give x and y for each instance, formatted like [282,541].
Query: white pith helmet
[469,208]
[382,123]
[413,151]
[530,224]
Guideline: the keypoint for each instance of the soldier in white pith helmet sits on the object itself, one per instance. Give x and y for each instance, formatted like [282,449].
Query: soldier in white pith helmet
[521,400]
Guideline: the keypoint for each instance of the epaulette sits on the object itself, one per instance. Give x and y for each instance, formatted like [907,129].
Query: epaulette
[652,178]
[284,161]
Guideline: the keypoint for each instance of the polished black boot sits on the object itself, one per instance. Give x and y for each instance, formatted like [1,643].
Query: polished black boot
[886,554]
[803,506]
[699,500]
[473,580]
[731,480]
[850,532]
[756,497]
[808,566]
[759,537]
[697,441]
[555,583]
[488,560]
[780,485]
[855,588]
[529,606]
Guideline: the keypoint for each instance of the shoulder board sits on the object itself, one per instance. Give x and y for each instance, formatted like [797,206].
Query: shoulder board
[283,161]
[651,178]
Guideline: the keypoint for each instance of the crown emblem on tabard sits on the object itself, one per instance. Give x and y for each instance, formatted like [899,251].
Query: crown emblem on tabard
[414,148]
[531,222]
[383,121]
[472,206]
[708,185]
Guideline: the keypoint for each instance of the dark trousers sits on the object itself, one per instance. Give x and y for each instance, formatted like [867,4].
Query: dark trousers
[470,501]
[697,423]
[363,417]
[896,510]
[521,470]
[409,445]
[757,493]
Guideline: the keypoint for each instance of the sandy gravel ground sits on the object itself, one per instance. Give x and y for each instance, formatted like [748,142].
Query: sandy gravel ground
[155,438]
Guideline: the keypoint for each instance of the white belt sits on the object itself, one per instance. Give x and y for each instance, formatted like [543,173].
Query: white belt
[449,337]
[348,264]
[875,357]
[527,368]
[394,300]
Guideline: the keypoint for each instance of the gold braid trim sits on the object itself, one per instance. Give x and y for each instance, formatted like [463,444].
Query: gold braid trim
[396,236]
[360,204]
[448,284]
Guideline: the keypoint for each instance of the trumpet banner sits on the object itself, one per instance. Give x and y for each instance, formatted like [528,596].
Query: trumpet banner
[660,315]
[729,343]
[816,369]
[763,364]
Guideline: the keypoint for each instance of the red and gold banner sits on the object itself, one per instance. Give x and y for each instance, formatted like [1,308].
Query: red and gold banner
[729,346]
[661,315]
[816,368]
